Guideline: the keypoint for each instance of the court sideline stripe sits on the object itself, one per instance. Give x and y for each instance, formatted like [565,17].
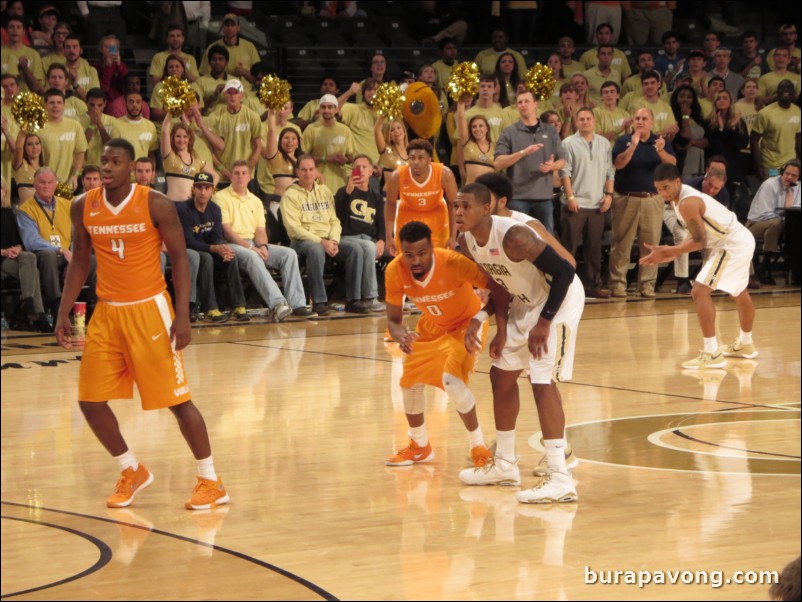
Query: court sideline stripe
[300,580]
[103,548]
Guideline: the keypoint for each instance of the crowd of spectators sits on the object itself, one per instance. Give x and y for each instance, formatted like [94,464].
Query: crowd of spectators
[313,179]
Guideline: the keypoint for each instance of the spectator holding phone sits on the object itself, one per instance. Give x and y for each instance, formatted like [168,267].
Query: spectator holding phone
[360,209]
[111,70]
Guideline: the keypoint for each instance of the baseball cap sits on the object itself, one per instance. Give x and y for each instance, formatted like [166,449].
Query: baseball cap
[722,50]
[203,177]
[49,9]
[329,99]
[698,53]
[233,84]
[231,17]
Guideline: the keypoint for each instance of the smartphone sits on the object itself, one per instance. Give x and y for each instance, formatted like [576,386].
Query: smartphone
[357,172]
[113,49]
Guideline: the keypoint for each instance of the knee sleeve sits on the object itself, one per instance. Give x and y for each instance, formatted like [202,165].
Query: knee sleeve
[459,393]
[413,399]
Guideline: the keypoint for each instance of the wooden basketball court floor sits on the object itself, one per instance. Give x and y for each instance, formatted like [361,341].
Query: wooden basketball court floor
[679,471]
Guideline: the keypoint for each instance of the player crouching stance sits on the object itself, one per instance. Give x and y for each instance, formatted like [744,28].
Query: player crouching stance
[440,283]
[714,227]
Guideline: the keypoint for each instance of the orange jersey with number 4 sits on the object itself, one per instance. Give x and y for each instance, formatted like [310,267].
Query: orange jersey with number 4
[445,297]
[127,245]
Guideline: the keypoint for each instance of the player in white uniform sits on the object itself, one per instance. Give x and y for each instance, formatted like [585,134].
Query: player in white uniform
[711,226]
[545,301]
[501,192]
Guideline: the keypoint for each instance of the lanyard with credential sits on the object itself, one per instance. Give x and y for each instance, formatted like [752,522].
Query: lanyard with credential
[50,218]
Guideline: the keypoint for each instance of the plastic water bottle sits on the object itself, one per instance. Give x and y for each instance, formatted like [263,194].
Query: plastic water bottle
[4,323]
[49,318]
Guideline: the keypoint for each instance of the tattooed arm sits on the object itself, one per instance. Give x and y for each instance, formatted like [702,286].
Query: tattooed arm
[692,210]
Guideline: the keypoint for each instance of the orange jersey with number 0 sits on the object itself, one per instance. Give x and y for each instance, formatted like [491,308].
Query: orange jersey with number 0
[127,245]
[445,298]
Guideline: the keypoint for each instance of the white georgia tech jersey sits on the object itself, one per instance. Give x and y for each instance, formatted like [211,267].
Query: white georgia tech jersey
[719,221]
[521,279]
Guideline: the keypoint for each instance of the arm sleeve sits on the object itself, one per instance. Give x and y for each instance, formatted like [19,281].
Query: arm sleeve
[562,275]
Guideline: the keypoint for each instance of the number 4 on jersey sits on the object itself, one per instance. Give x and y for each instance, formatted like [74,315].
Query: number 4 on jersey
[118,246]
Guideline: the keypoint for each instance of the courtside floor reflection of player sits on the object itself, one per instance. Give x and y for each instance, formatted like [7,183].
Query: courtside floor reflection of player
[134,336]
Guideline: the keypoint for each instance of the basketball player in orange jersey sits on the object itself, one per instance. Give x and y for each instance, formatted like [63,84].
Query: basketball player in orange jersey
[440,282]
[134,335]
[421,186]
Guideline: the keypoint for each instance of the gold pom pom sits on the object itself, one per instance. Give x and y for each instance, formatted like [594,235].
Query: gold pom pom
[540,81]
[274,92]
[64,190]
[28,110]
[176,95]
[464,81]
[388,100]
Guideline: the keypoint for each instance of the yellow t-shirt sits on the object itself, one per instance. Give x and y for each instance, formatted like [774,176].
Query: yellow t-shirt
[486,60]
[207,85]
[663,115]
[321,141]
[610,121]
[6,155]
[770,56]
[779,128]
[620,62]
[10,64]
[237,130]
[60,142]
[74,108]
[160,58]
[243,53]
[596,78]
[95,144]
[142,134]
[309,110]
[361,119]
[768,82]
[86,78]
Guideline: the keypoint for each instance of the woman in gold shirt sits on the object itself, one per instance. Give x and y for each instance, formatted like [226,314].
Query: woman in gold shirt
[475,147]
[27,159]
[181,162]
[281,153]
[391,142]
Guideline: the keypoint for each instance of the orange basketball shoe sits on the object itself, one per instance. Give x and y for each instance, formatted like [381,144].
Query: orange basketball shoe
[412,454]
[207,494]
[129,484]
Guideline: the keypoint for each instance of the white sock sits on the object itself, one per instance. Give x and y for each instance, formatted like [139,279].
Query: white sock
[419,435]
[206,469]
[745,338]
[476,437]
[127,460]
[505,445]
[555,455]
[711,344]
